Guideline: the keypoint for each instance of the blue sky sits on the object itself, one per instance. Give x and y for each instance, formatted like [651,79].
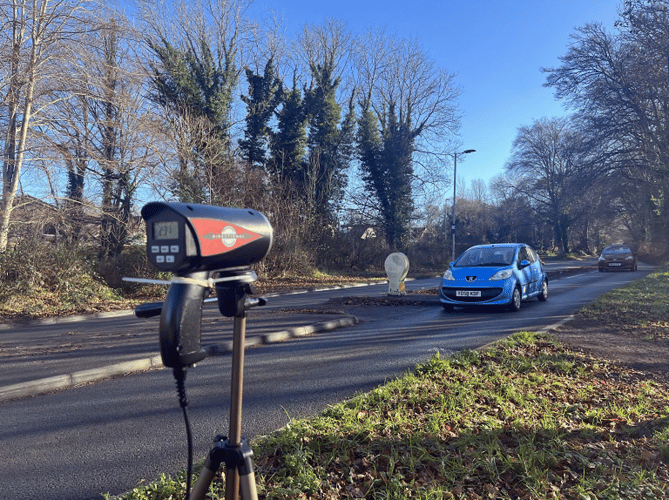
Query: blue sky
[496,49]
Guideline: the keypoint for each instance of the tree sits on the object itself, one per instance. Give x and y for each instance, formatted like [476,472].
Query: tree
[553,169]
[195,94]
[38,39]
[264,95]
[385,156]
[407,104]
[329,139]
[196,67]
[288,143]
[123,131]
[514,217]
[101,129]
[620,85]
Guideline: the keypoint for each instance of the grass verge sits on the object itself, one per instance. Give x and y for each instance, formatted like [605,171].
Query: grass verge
[525,418]
[522,419]
[640,309]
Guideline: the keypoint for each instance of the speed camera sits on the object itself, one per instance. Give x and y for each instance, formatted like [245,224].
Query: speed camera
[184,238]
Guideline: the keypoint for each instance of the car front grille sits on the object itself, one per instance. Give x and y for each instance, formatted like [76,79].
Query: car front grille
[486,294]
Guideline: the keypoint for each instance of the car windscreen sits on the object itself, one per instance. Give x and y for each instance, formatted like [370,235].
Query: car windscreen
[486,257]
[617,250]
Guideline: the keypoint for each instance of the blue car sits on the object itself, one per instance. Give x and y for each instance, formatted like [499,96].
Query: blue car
[497,275]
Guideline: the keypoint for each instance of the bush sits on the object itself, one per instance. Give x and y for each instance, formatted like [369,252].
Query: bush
[32,264]
[360,249]
[131,263]
[39,278]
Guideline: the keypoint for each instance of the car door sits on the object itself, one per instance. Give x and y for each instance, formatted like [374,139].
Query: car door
[526,273]
[536,270]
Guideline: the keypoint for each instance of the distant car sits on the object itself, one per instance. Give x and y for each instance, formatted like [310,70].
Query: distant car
[617,257]
[494,275]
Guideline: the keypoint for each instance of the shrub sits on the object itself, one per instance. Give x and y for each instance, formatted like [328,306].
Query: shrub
[39,278]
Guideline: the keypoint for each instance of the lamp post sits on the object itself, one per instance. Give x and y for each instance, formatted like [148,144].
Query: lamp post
[455,170]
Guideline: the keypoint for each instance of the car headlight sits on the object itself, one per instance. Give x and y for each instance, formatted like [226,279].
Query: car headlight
[448,275]
[629,257]
[502,275]
[601,257]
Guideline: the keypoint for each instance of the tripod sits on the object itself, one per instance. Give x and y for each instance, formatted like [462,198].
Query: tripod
[233,450]
[180,322]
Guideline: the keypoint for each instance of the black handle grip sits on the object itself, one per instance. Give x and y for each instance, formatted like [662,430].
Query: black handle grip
[180,323]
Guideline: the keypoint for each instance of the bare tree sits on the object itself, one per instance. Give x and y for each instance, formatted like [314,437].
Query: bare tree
[36,38]
[554,169]
[327,44]
[102,130]
[399,72]
[478,191]
[620,84]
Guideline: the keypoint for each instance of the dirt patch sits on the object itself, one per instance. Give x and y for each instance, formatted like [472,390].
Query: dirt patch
[649,354]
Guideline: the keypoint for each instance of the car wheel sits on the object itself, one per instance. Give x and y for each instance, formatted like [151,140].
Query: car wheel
[516,299]
[543,296]
[601,270]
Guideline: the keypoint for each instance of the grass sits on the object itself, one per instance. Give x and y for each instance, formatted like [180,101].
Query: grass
[641,308]
[525,418]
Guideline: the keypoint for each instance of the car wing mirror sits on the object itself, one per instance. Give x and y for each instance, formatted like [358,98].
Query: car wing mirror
[524,263]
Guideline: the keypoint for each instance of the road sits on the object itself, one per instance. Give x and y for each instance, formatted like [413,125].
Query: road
[107,437]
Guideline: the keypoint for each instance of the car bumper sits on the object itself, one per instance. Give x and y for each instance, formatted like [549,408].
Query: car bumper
[499,293]
[616,265]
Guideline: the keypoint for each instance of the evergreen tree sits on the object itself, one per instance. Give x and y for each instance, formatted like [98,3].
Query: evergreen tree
[330,148]
[288,143]
[397,154]
[385,156]
[412,103]
[195,90]
[264,95]
[186,81]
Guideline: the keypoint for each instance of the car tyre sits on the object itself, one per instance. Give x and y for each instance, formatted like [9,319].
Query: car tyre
[516,300]
[543,296]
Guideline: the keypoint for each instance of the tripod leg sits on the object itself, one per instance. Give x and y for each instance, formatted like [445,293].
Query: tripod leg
[231,484]
[237,383]
[237,378]
[238,473]
[203,482]
[249,487]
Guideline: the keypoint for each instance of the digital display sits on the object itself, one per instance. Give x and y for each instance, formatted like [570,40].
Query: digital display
[166,230]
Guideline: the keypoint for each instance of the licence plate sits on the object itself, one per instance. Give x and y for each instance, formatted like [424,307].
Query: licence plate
[468,293]
[615,264]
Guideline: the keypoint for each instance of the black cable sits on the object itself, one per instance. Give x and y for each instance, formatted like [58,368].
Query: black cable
[180,377]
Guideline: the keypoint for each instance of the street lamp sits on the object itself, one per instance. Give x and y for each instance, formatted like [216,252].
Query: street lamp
[455,169]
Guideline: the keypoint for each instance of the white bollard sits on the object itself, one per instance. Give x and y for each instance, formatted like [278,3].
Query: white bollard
[397,268]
